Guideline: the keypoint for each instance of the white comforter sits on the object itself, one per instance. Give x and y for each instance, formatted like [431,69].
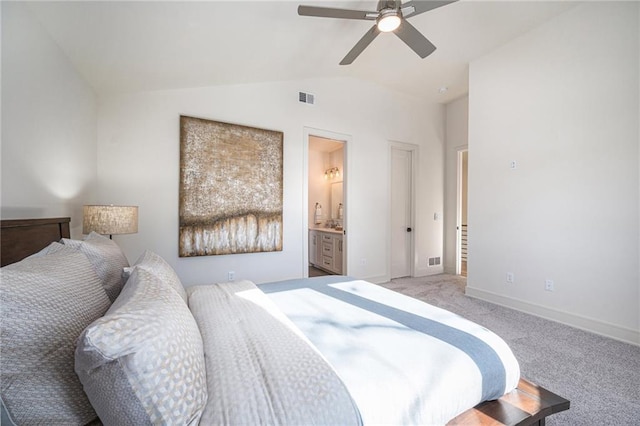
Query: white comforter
[260,369]
[403,361]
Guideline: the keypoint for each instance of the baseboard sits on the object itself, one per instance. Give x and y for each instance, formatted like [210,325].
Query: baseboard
[429,270]
[377,280]
[592,325]
[450,270]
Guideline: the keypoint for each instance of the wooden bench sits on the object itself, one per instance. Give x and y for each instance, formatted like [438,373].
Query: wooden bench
[528,404]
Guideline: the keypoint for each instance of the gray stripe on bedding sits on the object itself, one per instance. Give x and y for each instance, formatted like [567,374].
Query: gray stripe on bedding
[485,357]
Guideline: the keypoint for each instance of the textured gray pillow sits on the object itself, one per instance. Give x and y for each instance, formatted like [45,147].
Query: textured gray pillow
[51,248]
[46,303]
[107,259]
[143,362]
[153,263]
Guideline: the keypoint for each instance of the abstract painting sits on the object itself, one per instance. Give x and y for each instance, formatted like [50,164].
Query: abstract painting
[230,188]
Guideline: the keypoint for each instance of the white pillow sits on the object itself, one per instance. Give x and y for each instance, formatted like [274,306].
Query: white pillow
[156,265]
[106,257]
[143,362]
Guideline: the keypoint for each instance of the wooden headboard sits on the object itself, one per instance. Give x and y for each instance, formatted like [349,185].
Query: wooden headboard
[23,237]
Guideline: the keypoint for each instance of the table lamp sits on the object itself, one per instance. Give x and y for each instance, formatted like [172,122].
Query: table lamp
[110,219]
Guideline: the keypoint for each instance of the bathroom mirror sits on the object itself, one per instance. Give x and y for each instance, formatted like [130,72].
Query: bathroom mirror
[336,200]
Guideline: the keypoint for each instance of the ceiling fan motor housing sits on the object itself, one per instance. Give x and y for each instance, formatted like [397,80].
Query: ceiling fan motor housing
[389,5]
[389,15]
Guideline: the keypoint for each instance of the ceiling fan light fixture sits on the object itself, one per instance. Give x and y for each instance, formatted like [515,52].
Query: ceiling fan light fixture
[388,20]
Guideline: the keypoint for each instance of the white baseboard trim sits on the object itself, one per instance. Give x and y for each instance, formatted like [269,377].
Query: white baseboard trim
[377,280]
[592,325]
[430,270]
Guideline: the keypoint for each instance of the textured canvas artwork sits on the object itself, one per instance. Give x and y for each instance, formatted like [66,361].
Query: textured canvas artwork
[230,188]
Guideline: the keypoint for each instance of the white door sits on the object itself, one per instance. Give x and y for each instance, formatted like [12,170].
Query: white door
[401,224]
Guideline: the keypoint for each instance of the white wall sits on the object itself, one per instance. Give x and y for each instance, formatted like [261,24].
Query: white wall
[138,163]
[336,159]
[457,133]
[319,191]
[48,125]
[563,101]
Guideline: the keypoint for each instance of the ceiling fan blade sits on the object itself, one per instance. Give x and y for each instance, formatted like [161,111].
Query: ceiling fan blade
[361,45]
[415,7]
[328,12]
[414,39]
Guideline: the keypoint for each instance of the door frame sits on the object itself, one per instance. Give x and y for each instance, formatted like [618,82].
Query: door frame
[459,181]
[346,140]
[415,152]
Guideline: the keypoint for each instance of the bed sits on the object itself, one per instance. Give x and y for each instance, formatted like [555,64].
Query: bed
[311,351]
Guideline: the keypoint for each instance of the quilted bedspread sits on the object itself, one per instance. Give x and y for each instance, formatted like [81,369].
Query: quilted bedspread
[403,360]
[260,368]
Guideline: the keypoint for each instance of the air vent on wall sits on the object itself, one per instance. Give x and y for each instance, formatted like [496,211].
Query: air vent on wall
[434,261]
[306,98]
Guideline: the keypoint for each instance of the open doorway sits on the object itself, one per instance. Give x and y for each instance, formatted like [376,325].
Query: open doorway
[326,206]
[461,221]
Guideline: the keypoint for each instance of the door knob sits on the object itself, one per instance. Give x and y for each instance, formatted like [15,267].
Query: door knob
[408,229]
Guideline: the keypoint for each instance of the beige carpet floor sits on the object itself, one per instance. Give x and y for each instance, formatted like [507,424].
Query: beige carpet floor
[600,376]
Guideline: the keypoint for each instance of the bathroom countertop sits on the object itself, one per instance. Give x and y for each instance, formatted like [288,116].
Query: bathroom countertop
[323,229]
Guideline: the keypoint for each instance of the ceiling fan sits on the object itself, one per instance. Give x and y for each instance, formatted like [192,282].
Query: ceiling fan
[391,16]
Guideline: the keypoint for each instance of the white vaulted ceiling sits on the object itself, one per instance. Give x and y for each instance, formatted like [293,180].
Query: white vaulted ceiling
[152,45]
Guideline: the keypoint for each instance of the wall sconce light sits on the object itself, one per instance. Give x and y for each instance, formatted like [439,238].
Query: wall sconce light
[110,219]
[332,173]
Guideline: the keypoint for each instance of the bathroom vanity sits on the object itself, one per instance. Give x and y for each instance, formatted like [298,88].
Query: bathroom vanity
[326,249]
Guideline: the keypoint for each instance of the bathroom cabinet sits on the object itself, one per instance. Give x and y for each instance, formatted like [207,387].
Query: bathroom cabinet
[326,250]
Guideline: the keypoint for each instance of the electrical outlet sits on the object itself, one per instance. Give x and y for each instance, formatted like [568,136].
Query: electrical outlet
[549,285]
[231,276]
[510,278]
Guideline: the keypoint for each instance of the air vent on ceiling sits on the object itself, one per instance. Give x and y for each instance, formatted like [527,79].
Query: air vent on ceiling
[306,98]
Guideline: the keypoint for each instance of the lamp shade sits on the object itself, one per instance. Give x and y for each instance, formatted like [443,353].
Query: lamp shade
[110,219]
